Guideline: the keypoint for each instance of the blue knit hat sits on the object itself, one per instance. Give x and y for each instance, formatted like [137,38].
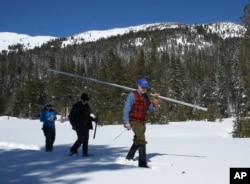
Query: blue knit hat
[48,104]
[143,82]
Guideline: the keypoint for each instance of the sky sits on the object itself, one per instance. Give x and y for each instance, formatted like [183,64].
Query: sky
[63,18]
[191,152]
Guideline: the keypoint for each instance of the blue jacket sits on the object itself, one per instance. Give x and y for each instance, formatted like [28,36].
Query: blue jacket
[48,117]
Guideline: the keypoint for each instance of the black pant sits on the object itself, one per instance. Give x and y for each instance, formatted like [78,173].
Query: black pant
[50,135]
[142,154]
[82,138]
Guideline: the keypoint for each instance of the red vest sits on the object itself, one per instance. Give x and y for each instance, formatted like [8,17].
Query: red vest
[140,107]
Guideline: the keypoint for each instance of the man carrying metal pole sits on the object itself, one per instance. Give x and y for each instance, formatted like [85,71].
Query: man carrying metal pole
[135,112]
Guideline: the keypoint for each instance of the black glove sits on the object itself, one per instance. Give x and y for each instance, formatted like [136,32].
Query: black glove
[93,119]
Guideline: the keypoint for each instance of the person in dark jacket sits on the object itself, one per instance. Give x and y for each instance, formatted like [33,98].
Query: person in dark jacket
[135,111]
[48,117]
[81,120]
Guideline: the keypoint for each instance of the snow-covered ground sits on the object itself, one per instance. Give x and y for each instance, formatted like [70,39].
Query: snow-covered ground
[192,152]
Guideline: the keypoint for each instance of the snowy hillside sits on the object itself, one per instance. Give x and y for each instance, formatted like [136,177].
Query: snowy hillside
[224,29]
[192,152]
[7,39]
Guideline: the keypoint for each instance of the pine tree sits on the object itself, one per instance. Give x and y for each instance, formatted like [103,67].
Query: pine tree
[245,56]
[242,123]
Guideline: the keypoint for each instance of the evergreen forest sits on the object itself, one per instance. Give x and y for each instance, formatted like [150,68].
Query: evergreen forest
[187,63]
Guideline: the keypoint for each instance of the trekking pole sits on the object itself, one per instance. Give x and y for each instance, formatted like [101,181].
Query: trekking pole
[99,150]
[118,136]
[97,120]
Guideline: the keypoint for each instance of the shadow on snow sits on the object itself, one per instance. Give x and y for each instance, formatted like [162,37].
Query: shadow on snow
[38,166]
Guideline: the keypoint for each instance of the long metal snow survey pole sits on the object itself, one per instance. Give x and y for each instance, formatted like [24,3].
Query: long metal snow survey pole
[126,88]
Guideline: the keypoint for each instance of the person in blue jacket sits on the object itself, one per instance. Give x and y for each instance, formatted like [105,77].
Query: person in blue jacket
[48,117]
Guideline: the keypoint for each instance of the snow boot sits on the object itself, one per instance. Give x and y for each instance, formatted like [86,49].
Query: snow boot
[85,149]
[142,156]
[131,152]
[73,152]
